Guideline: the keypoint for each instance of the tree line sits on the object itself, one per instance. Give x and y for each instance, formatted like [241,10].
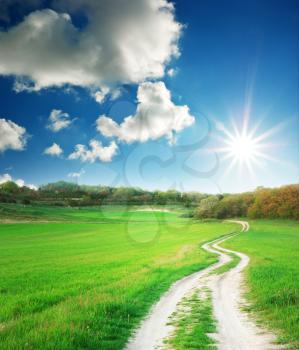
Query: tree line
[282,202]
[271,203]
[63,193]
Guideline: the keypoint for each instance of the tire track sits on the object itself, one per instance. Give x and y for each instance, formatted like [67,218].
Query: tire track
[235,331]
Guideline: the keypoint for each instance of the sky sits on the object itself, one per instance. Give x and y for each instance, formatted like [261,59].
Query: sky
[187,95]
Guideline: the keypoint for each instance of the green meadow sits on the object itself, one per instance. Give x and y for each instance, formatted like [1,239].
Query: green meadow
[273,275]
[84,278]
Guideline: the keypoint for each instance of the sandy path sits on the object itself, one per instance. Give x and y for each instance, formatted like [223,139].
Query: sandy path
[235,331]
[162,210]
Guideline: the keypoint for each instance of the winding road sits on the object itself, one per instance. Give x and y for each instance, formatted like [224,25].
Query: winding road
[235,330]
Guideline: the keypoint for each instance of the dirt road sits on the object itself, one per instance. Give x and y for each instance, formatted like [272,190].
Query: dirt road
[235,331]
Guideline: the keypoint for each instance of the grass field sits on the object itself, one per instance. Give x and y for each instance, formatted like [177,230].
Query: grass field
[193,324]
[273,274]
[85,280]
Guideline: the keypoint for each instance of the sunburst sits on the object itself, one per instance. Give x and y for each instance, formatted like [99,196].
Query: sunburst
[245,148]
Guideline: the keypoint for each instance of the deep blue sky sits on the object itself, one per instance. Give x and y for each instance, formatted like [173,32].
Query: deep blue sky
[228,48]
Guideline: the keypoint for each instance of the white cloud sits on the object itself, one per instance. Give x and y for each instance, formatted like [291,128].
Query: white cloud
[32,187]
[156,116]
[125,41]
[12,136]
[115,94]
[101,95]
[59,120]
[20,182]
[22,84]
[4,178]
[55,150]
[172,72]
[96,151]
[77,174]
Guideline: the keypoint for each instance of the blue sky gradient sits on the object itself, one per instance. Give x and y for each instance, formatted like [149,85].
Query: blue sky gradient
[232,53]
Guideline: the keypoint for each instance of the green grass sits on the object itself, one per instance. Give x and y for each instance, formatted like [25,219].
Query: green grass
[228,266]
[193,322]
[112,213]
[86,281]
[273,274]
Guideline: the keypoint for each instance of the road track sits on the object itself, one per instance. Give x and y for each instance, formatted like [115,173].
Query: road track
[235,330]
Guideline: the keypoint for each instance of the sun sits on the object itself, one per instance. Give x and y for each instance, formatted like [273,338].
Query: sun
[243,148]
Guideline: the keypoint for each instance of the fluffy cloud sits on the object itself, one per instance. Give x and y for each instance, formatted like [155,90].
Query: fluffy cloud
[172,72]
[12,136]
[125,41]
[58,120]
[4,178]
[55,150]
[32,187]
[101,95]
[20,182]
[77,174]
[156,116]
[96,151]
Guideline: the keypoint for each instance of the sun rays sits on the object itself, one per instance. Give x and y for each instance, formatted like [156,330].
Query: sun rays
[245,148]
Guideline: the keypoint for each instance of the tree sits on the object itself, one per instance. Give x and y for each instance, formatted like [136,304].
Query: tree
[207,207]
[9,187]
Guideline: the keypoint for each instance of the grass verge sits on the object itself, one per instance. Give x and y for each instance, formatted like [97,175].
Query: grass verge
[228,266]
[273,274]
[193,322]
